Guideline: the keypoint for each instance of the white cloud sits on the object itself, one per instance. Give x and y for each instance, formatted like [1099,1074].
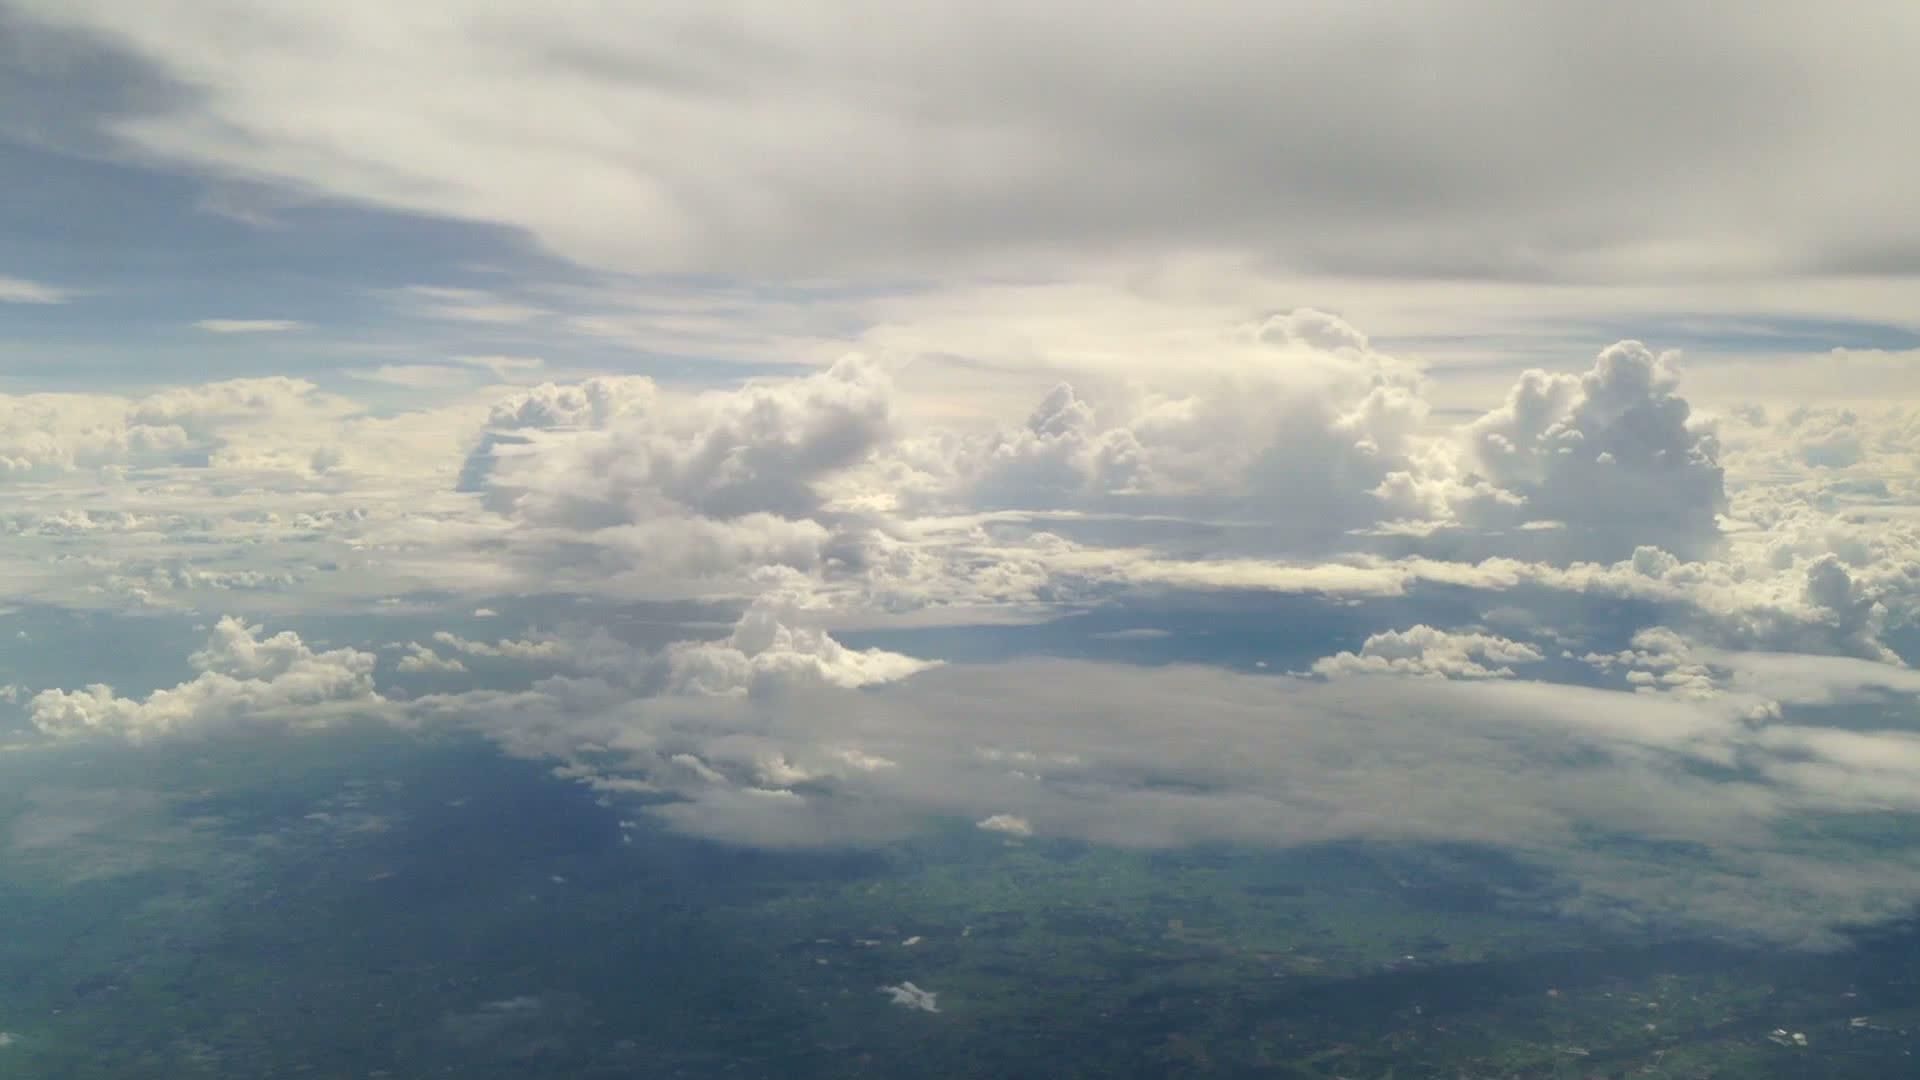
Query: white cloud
[468,305]
[909,996]
[765,652]
[502,366]
[249,326]
[592,403]
[1424,651]
[506,648]
[15,290]
[1611,455]
[245,680]
[1294,421]
[614,483]
[1007,824]
[421,658]
[415,376]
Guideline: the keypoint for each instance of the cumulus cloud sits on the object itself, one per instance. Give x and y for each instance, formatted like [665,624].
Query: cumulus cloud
[1611,455]
[591,403]
[266,422]
[760,449]
[505,648]
[612,482]
[1297,422]
[1425,651]
[420,658]
[1011,825]
[245,680]
[765,652]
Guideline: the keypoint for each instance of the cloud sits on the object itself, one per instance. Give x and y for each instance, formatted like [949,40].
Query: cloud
[1006,824]
[765,652]
[1295,422]
[502,366]
[591,403]
[421,658]
[1294,143]
[640,490]
[260,422]
[506,648]
[908,996]
[15,290]
[245,680]
[1610,455]
[1425,651]
[415,376]
[249,326]
[468,305]
[1665,807]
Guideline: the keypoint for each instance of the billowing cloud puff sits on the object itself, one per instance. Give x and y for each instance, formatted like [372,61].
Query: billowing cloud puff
[1610,457]
[1314,329]
[591,403]
[1425,651]
[420,658]
[244,680]
[1299,431]
[726,454]
[506,648]
[1316,437]
[765,651]
[613,482]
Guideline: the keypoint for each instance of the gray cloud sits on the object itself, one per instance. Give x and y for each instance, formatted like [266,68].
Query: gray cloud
[1474,138]
[1605,787]
[1610,456]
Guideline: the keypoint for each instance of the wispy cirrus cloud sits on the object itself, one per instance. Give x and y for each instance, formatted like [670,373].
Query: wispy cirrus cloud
[249,326]
[15,290]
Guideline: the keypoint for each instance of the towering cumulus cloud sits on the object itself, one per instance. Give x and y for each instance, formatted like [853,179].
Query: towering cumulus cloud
[1611,456]
[669,487]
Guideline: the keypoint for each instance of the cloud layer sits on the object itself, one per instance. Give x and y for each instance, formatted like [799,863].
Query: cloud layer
[1349,140]
[1588,624]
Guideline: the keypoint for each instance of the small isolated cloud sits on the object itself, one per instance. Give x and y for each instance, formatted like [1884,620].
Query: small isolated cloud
[1425,651]
[420,658]
[502,366]
[909,996]
[244,680]
[767,651]
[249,326]
[468,305]
[15,290]
[507,648]
[1009,824]
[415,376]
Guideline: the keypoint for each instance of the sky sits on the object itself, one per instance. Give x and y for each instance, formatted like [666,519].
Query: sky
[1278,424]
